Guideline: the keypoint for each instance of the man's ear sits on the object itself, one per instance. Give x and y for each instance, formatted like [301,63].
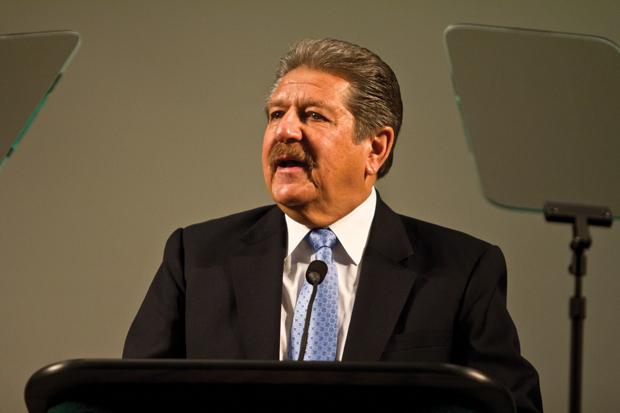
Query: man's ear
[380,147]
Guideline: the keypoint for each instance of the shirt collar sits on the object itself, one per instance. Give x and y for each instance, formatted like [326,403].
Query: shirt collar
[352,229]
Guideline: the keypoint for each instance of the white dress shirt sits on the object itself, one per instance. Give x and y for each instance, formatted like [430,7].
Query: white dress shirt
[352,232]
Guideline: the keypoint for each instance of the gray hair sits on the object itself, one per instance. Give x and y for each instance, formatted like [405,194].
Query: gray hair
[374,100]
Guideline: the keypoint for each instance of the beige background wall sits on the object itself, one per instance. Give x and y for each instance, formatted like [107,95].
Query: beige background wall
[158,124]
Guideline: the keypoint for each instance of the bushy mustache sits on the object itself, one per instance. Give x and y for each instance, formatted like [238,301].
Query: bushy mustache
[293,152]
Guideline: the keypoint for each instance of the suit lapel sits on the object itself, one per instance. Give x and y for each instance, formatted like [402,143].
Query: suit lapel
[256,269]
[384,285]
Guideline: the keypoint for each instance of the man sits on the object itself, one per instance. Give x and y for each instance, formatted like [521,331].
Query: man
[401,289]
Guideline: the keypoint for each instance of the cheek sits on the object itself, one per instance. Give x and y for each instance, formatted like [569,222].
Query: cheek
[264,161]
[350,164]
[266,147]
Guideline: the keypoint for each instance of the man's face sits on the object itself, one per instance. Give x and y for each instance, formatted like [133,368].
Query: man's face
[312,166]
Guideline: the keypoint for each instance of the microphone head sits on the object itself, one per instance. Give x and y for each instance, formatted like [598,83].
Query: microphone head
[315,274]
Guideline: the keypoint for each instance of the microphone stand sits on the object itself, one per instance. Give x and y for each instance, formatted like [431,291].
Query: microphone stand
[315,274]
[304,337]
[580,216]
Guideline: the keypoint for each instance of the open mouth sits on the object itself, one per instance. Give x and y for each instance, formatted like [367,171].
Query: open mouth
[290,158]
[290,163]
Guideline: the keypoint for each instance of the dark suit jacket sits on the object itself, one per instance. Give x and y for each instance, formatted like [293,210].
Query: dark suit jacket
[425,294]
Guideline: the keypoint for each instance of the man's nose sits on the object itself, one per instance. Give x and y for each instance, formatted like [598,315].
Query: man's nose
[289,127]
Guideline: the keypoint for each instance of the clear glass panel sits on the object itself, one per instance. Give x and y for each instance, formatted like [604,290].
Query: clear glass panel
[541,112]
[31,64]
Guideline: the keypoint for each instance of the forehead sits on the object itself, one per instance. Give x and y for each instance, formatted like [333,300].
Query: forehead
[303,85]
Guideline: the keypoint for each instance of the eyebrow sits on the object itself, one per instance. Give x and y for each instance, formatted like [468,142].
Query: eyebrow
[303,103]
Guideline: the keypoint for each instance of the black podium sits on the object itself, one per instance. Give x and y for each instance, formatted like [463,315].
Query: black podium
[108,385]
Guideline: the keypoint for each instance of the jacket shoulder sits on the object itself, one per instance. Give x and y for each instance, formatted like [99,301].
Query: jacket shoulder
[212,240]
[442,243]
[234,223]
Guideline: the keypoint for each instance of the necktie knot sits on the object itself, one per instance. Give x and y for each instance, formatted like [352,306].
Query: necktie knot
[321,238]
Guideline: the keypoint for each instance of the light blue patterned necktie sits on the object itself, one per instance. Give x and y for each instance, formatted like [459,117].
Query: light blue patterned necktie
[323,330]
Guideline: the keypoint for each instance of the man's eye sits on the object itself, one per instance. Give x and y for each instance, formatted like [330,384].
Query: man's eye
[316,116]
[276,114]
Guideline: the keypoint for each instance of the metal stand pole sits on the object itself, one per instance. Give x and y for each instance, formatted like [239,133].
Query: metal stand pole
[577,313]
[580,216]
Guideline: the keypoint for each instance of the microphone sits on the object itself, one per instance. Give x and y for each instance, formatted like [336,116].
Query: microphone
[315,274]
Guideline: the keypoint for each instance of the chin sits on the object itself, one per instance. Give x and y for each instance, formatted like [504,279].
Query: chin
[290,198]
[288,201]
